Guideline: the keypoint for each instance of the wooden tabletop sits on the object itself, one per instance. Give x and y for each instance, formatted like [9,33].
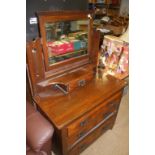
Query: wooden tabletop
[62,109]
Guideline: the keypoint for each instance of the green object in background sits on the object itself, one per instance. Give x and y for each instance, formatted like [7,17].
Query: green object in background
[77,45]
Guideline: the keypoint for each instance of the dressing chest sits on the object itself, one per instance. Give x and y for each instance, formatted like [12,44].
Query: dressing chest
[65,84]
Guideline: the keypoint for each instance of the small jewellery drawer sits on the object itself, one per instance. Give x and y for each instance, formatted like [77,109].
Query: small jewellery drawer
[93,136]
[81,127]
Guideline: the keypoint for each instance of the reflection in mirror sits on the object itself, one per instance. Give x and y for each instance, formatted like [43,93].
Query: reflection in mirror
[66,40]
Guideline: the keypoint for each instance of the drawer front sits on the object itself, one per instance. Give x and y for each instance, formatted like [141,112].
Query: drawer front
[80,82]
[93,136]
[83,125]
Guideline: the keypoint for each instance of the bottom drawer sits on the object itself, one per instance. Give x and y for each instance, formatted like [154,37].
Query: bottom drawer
[93,136]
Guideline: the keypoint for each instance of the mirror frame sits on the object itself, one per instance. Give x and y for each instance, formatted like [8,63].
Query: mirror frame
[57,16]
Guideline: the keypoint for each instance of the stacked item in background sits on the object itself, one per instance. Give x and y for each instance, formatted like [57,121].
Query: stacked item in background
[70,43]
[114,56]
[59,47]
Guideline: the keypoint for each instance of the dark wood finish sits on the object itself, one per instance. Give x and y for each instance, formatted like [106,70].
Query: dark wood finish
[95,47]
[37,55]
[35,66]
[89,109]
[82,112]
[45,17]
[28,91]
[77,102]
[93,136]
[93,115]
[73,79]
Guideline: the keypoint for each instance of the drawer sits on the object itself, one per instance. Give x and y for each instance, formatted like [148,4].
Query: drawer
[81,127]
[81,81]
[93,136]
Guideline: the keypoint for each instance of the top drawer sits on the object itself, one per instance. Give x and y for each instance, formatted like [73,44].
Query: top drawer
[92,118]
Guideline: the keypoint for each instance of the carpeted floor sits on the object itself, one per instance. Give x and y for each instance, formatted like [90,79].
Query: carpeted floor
[115,141]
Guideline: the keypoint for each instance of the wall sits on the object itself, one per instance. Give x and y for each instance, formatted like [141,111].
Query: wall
[124,9]
[33,6]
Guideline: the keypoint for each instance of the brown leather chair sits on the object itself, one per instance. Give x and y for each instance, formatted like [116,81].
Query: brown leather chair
[39,133]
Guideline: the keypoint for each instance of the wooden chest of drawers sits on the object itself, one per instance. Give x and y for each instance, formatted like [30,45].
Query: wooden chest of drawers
[82,116]
[67,89]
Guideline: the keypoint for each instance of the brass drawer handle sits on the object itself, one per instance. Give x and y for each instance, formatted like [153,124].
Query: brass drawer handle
[83,123]
[81,134]
[82,147]
[81,82]
[105,115]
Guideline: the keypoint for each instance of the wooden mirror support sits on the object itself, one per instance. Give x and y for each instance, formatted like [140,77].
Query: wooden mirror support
[63,31]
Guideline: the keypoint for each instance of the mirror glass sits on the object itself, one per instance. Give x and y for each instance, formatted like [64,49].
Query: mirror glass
[66,40]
